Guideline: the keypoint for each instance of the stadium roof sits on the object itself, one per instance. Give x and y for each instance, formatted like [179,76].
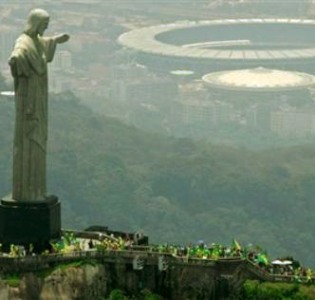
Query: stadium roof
[258,79]
[144,40]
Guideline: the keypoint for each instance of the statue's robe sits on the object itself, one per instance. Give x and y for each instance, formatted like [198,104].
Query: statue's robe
[28,64]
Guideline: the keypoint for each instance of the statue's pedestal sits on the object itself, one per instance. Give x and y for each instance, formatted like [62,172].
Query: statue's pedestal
[23,223]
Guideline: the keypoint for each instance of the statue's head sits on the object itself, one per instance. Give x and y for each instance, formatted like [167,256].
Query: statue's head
[37,22]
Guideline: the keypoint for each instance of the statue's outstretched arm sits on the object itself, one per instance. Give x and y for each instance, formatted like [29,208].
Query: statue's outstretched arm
[62,38]
[19,64]
[50,44]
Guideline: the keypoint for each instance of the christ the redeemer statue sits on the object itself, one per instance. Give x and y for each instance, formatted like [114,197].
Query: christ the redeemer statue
[28,63]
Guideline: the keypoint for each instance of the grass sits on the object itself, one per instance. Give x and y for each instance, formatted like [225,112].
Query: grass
[12,280]
[63,266]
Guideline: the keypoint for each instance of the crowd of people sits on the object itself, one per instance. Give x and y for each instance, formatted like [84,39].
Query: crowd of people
[287,268]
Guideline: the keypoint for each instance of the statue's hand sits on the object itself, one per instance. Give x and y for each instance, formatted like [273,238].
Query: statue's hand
[13,67]
[12,60]
[62,38]
[19,64]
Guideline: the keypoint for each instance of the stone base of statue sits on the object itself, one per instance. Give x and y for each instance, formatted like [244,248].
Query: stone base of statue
[25,223]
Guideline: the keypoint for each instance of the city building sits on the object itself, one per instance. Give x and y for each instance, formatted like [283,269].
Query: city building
[62,61]
[265,99]
[8,36]
[293,122]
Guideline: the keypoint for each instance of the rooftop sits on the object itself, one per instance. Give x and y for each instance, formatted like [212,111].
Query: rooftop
[259,79]
[145,40]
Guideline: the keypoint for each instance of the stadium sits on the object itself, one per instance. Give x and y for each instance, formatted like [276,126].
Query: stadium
[215,45]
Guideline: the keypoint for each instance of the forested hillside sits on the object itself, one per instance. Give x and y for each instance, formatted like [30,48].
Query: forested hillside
[174,190]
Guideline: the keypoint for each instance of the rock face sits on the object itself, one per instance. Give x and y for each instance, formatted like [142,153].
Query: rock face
[84,282]
[95,280]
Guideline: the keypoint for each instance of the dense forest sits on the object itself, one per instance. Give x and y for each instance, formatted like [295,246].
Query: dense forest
[174,190]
